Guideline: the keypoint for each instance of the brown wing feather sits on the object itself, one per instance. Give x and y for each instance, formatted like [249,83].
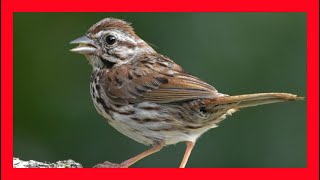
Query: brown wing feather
[181,87]
[154,78]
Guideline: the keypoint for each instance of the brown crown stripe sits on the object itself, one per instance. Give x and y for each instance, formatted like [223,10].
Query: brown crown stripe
[111,23]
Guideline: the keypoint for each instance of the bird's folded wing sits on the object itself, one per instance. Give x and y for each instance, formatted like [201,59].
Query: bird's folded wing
[181,87]
[160,81]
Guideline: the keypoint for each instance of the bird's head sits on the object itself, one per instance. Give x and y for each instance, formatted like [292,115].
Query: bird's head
[110,42]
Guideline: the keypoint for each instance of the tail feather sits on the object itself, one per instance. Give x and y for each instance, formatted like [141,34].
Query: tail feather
[226,105]
[249,100]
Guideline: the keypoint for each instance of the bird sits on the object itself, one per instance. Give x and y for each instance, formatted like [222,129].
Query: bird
[148,97]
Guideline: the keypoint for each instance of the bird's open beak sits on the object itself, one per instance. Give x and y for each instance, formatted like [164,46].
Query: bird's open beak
[86,45]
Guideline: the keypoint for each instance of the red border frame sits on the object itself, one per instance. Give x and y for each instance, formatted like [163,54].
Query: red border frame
[308,6]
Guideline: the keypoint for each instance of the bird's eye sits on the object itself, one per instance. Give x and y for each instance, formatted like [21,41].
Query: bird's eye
[110,39]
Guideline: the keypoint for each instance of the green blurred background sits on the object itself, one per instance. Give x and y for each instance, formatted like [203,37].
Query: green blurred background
[54,118]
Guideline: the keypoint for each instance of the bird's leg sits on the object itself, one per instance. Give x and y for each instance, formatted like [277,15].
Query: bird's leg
[138,157]
[157,147]
[189,148]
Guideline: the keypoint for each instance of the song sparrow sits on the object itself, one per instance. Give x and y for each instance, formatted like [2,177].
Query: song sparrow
[148,97]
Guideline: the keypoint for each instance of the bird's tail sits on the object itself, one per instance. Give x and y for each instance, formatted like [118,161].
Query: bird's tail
[226,105]
[249,100]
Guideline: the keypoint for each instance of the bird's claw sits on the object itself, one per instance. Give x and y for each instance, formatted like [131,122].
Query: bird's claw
[108,164]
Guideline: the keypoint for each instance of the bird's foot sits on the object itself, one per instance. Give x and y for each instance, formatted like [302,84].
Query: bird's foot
[108,164]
